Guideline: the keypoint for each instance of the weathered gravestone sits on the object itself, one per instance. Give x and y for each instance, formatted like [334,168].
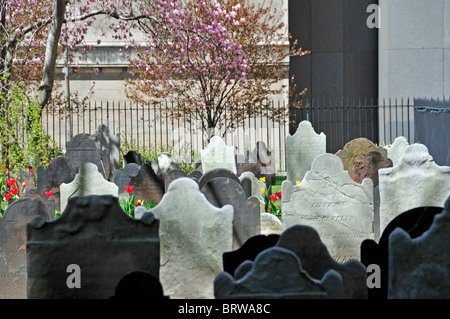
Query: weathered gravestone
[270,224]
[194,234]
[301,149]
[171,176]
[88,181]
[163,164]
[329,201]
[122,177]
[218,155]
[50,179]
[13,258]
[276,273]
[249,250]
[305,242]
[196,175]
[266,159]
[109,145]
[419,268]
[222,191]
[355,150]
[256,186]
[396,150]
[416,181]
[26,181]
[93,244]
[139,285]
[133,157]
[243,166]
[368,167]
[82,149]
[375,252]
[223,172]
[147,185]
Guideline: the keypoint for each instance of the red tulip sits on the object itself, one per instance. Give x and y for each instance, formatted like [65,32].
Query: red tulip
[30,169]
[7,196]
[49,194]
[14,191]
[129,189]
[273,198]
[278,195]
[11,182]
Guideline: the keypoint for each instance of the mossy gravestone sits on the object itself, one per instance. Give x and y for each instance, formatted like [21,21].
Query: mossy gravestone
[13,259]
[86,251]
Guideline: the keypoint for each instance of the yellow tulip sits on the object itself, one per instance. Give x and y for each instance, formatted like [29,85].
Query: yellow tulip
[263,179]
[297,182]
[263,190]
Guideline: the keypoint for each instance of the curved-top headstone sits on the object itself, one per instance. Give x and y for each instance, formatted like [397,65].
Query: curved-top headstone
[416,181]
[277,273]
[222,191]
[147,186]
[218,155]
[305,242]
[122,177]
[328,200]
[214,173]
[82,149]
[301,149]
[396,150]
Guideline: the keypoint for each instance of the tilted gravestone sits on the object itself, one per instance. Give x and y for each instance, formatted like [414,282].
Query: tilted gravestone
[276,273]
[329,201]
[171,176]
[88,181]
[368,167]
[415,181]
[301,149]
[221,191]
[147,186]
[355,150]
[305,242]
[50,179]
[218,155]
[415,222]
[122,177]
[13,259]
[248,251]
[110,145]
[419,268]
[93,244]
[194,235]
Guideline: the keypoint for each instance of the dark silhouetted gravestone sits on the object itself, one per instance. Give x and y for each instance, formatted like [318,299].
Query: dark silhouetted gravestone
[139,285]
[221,191]
[251,248]
[415,222]
[277,273]
[419,268]
[122,177]
[171,176]
[50,179]
[82,149]
[146,184]
[243,166]
[133,157]
[305,242]
[94,235]
[223,172]
[196,174]
[13,259]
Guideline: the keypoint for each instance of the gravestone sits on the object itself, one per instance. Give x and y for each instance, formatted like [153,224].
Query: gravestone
[270,224]
[416,181]
[82,149]
[301,149]
[218,155]
[94,235]
[419,268]
[171,176]
[368,167]
[222,191]
[249,250]
[88,181]
[13,258]
[147,186]
[305,242]
[50,179]
[243,166]
[133,157]
[277,273]
[415,222]
[194,234]
[266,159]
[122,177]
[329,201]
[163,164]
[214,173]
[256,186]
[139,285]
[26,177]
[355,150]
[395,151]
[196,175]
[110,145]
